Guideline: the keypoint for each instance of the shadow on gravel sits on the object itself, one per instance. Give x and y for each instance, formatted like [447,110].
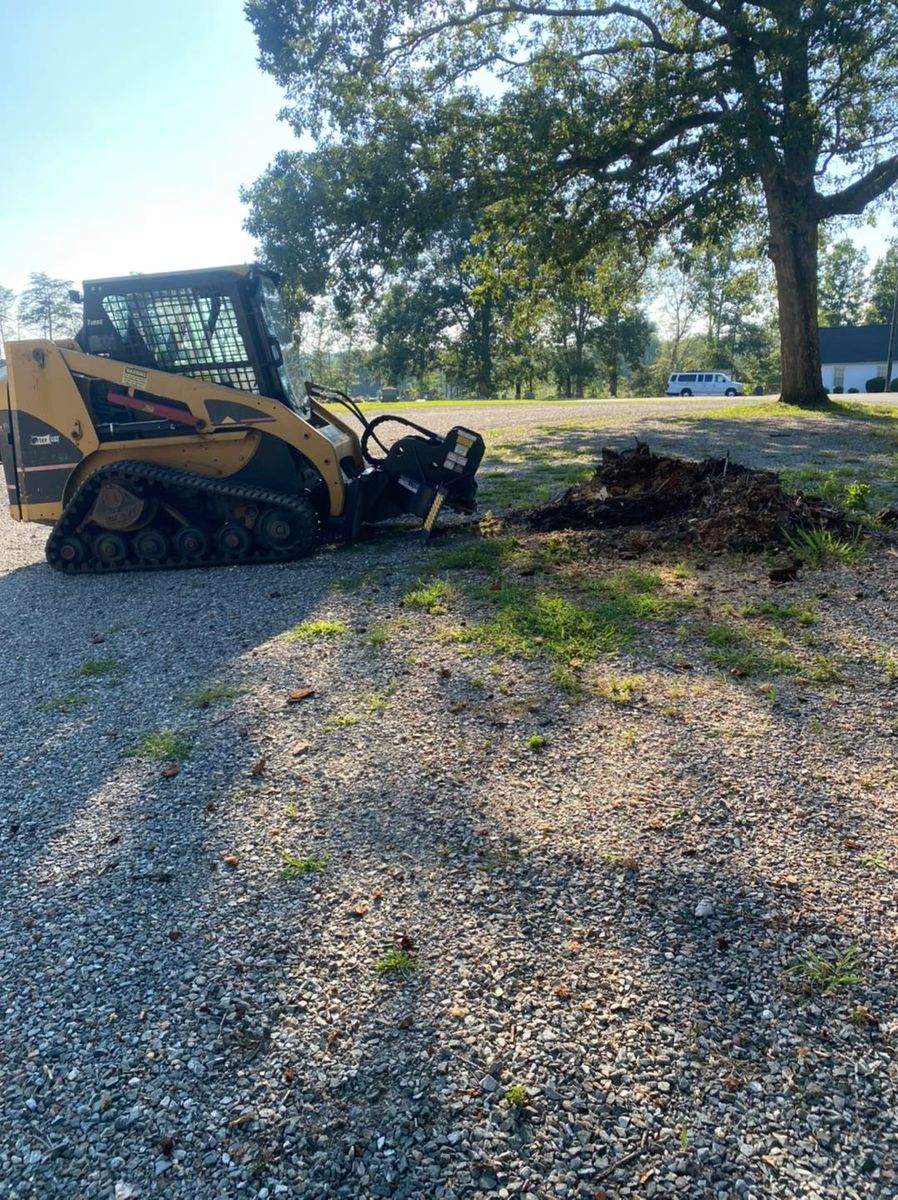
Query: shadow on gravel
[557,945]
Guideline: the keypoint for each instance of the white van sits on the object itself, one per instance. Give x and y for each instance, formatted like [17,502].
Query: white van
[703,383]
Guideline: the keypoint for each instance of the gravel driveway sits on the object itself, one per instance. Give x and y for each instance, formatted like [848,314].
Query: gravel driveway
[602,919]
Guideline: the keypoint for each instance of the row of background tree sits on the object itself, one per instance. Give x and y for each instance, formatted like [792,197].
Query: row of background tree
[608,324]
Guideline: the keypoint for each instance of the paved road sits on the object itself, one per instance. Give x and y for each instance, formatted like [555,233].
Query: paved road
[441,417]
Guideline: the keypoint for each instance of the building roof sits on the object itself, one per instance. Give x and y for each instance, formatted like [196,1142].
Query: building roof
[854,344]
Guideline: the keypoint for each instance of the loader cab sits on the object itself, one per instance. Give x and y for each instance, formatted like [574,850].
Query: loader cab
[224,325]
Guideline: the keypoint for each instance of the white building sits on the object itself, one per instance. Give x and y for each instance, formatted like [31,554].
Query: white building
[850,355]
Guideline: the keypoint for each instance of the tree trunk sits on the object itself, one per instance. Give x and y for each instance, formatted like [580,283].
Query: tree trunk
[793,249]
[485,372]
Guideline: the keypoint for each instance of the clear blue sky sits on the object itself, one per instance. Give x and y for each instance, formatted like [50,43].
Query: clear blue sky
[126,131]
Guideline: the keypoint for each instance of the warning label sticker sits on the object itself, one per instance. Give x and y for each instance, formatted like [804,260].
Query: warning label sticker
[135,377]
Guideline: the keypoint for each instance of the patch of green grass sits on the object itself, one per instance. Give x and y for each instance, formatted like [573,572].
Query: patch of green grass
[165,746]
[546,554]
[823,670]
[744,661]
[62,704]
[536,743]
[742,656]
[528,623]
[311,630]
[723,636]
[295,867]
[92,668]
[517,1096]
[213,693]
[818,547]
[803,614]
[621,689]
[827,974]
[638,594]
[532,485]
[471,554]
[396,962]
[434,597]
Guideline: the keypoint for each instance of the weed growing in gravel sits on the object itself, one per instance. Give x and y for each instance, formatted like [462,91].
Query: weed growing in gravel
[291,812]
[378,635]
[621,689]
[568,681]
[433,598]
[213,694]
[804,615]
[536,743]
[62,704]
[396,962]
[164,746]
[373,703]
[857,496]
[91,668]
[827,974]
[364,581]
[683,1134]
[890,666]
[517,1096]
[311,630]
[817,547]
[294,867]
[875,861]
[861,1017]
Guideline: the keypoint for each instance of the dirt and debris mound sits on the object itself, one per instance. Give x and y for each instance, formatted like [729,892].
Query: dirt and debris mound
[716,503]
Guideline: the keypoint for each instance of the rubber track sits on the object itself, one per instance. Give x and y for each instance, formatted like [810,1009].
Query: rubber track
[168,479]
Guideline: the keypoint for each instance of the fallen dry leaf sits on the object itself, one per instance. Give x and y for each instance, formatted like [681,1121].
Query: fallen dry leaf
[300,694]
[563,992]
[230,860]
[259,767]
[359,910]
[170,772]
[299,748]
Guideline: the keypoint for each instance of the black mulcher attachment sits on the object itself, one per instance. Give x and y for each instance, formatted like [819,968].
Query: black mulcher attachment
[417,474]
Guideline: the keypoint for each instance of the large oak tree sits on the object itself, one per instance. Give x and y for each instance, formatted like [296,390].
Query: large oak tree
[666,113]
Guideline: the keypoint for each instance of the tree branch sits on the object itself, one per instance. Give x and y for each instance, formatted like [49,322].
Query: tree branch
[854,198]
[638,152]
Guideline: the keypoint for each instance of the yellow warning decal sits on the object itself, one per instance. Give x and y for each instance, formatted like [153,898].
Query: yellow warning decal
[464,440]
[135,377]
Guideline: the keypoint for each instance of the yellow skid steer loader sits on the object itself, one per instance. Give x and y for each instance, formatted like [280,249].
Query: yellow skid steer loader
[168,434]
